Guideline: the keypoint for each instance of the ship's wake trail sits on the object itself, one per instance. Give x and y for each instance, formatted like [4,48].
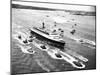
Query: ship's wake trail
[60,55]
[77,56]
[42,66]
[76,60]
[84,42]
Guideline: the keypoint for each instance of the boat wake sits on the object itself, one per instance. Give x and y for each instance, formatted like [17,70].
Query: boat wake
[60,55]
[84,42]
[54,53]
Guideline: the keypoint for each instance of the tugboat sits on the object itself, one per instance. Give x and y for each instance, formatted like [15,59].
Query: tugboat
[53,37]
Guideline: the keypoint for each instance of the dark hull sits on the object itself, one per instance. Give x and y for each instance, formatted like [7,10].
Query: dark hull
[58,44]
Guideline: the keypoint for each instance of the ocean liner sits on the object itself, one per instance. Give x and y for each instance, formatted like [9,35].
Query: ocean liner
[53,37]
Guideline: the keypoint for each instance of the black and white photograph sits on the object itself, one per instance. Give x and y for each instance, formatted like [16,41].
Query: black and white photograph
[52,37]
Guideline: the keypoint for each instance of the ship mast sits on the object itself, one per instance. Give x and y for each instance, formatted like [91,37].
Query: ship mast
[43,25]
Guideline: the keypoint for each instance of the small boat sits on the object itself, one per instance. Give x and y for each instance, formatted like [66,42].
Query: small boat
[51,39]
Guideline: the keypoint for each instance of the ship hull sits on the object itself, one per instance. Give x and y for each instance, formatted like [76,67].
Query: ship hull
[58,44]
